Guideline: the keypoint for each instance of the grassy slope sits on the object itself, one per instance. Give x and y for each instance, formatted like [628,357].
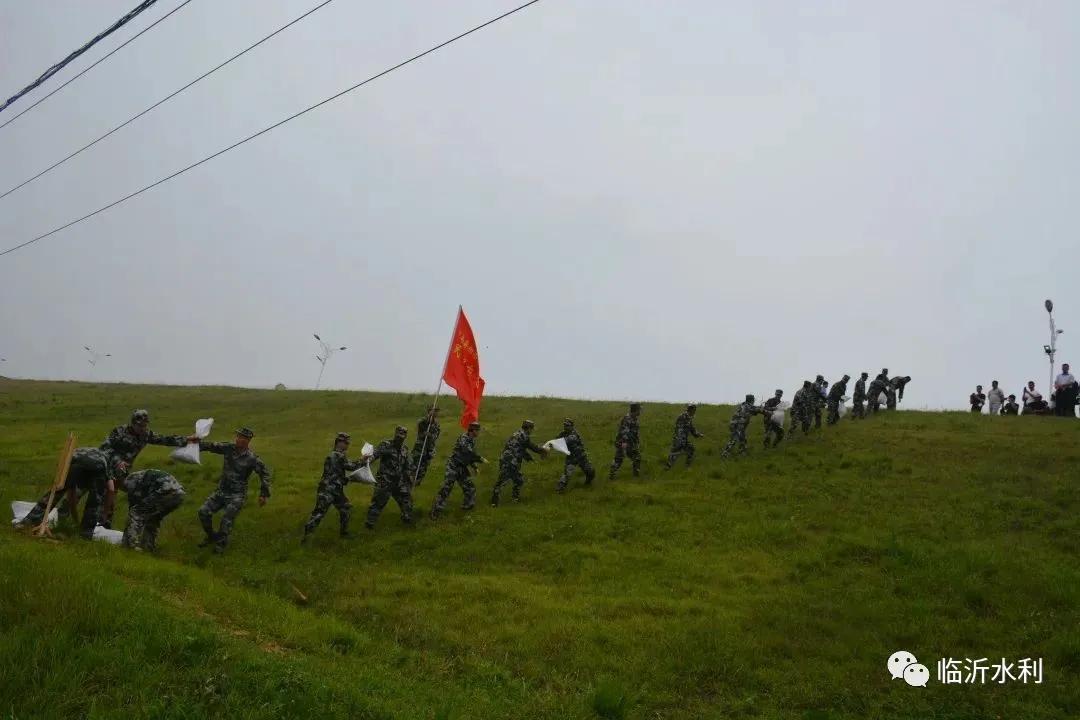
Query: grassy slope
[773,586]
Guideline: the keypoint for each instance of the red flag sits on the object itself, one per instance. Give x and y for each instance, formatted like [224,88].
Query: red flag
[463,370]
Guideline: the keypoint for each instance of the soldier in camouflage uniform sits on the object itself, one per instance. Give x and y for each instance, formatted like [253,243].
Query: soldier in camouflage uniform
[738,424]
[628,441]
[394,479]
[124,444]
[515,452]
[680,439]
[152,494]
[802,408]
[819,400]
[836,395]
[463,458]
[577,458]
[877,387]
[859,397]
[331,489]
[423,452]
[773,428]
[231,494]
[895,390]
[92,472]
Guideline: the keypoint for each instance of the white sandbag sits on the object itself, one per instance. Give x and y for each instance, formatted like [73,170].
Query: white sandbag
[843,409]
[20,509]
[363,473]
[883,399]
[113,537]
[190,453]
[779,415]
[558,445]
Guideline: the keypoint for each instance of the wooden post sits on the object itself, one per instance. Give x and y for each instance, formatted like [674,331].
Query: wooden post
[62,467]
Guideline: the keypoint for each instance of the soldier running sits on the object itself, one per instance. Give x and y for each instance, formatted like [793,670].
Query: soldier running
[236,469]
[459,468]
[515,452]
[628,441]
[331,490]
[577,458]
[394,479]
[738,424]
[680,439]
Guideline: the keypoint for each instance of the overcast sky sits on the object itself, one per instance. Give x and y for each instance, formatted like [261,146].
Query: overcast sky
[631,198]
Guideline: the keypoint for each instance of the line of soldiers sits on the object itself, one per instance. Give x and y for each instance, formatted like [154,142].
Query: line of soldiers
[99,473]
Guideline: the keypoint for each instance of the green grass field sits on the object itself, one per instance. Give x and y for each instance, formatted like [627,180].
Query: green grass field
[773,586]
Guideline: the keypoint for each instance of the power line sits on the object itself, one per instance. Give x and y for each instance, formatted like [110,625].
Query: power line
[265,130]
[165,99]
[93,41]
[92,66]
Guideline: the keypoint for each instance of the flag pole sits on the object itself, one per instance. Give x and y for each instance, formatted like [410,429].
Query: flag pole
[435,402]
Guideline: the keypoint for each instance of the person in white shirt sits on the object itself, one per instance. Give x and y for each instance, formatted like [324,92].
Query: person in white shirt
[996,398]
[1065,393]
[1033,399]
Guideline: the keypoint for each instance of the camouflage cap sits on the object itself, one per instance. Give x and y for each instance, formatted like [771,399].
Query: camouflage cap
[846,376]
[635,406]
[246,432]
[568,421]
[779,392]
[527,424]
[690,407]
[343,437]
[139,417]
[474,425]
[820,378]
[401,430]
[865,375]
[749,398]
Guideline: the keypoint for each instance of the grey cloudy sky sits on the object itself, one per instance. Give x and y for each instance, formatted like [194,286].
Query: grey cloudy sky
[631,198]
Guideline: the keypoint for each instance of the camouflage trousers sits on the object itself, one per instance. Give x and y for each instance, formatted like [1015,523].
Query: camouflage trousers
[230,504]
[572,463]
[817,415]
[384,490]
[737,441]
[631,451]
[89,475]
[455,476]
[873,405]
[326,496]
[890,400]
[679,447]
[800,419]
[834,412]
[857,409]
[147,507]
[509,472]
[773,429]
[422,462]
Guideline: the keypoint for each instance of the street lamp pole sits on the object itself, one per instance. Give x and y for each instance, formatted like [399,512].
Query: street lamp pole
[326,351]
[1051,349]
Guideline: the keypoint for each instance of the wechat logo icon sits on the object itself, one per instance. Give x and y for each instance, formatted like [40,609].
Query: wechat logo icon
[903,664]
